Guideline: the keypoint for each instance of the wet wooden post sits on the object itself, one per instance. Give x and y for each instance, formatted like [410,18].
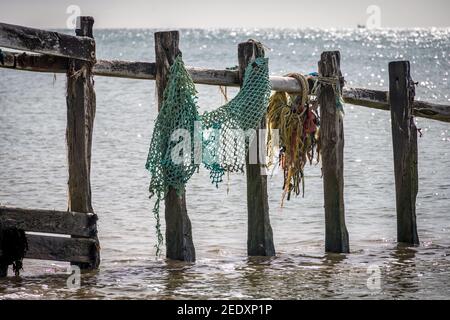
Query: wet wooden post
[3,271]
[404,139]
[3,266]
[81,104]
[332,150]
[179,244]
[259,237]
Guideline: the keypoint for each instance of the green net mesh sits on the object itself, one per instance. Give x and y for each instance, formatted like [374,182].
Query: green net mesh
[218,133]
[224,129]
[178,111]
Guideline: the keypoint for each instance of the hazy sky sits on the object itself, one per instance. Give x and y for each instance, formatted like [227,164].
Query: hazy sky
[227,13]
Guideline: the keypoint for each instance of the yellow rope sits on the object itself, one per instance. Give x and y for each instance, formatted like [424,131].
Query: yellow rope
[297,123]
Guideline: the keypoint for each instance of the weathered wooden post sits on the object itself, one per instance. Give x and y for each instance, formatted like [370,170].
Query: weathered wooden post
[3,266]
[179,244]
[81,105]
[404,139]
[3,271]
[260,237]
[332,150]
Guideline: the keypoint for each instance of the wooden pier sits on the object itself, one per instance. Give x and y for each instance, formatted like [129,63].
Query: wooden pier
[75,56]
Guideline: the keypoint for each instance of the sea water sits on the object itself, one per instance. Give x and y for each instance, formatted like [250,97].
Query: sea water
[33,174]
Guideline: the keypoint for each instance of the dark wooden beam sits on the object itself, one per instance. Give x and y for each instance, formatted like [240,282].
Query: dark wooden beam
[50,221]
[34,62]
[374,99]
[404,139]
[179,243]
[332,153]
[47,42]
[77,250]
[125,69]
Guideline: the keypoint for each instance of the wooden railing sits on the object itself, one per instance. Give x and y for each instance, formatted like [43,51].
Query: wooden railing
[75,55]
[375,99]
[84,249]
[47,42]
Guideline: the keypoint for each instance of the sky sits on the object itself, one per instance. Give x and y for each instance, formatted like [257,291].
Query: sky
[228,13]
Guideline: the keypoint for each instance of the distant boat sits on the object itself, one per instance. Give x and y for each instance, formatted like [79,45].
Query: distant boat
[361,26]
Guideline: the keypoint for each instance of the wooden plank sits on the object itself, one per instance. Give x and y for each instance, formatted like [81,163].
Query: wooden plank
[79,250]
[374,99]
[179,243]
[332,153]
[47,42]
[404,139]
[259,234]
[147,71]
[228,78]
[50,221]
[432,111]
[34,62]
[125,69]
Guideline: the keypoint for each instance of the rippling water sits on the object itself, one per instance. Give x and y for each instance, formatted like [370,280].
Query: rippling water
[33,173]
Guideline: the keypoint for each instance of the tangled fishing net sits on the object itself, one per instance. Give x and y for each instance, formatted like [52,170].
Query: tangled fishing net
[214,138]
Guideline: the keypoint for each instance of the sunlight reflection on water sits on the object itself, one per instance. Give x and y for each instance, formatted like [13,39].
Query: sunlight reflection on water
[33,173]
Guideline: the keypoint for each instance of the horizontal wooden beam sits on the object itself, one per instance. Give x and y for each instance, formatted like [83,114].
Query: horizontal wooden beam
[374,99]
[125,69]
[82,250]
[114,68]
[49,221]
[225,77]
[431,110]
[377,99]
[34,62]
[46,42]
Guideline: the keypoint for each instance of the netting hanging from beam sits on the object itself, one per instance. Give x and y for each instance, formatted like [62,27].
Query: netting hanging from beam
[216,139]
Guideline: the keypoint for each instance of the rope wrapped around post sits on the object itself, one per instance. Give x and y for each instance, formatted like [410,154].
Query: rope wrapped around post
[337,83]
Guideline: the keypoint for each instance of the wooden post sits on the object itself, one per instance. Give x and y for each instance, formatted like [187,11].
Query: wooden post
[179,244]
[404,138]
[3,271]
[80,120]
[259,237]
[3,266]
[332,150]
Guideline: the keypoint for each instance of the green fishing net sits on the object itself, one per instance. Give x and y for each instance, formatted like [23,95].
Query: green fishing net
[225,128]
[214,138]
